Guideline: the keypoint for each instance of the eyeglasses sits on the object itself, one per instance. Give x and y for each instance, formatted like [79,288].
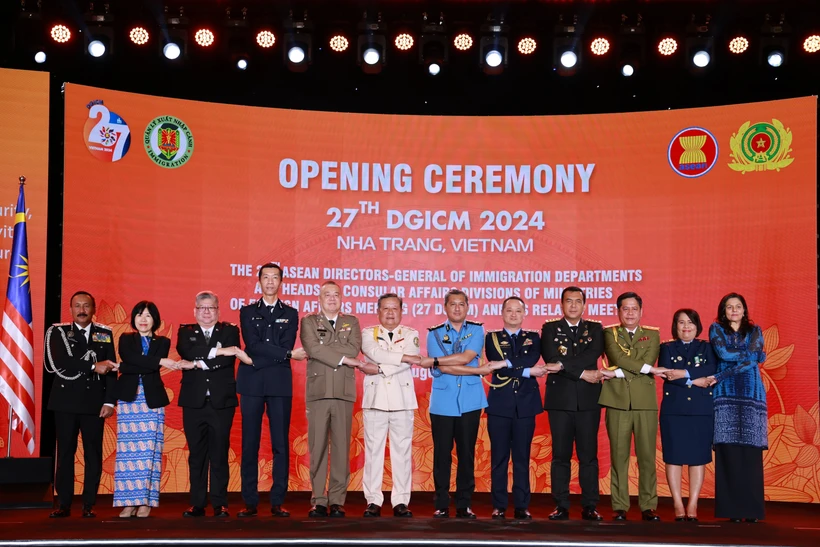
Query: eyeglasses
[207,308]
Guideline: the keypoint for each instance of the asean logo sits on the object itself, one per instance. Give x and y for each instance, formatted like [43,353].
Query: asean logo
[693,152]
[761,147]
[106,134]
[168,142]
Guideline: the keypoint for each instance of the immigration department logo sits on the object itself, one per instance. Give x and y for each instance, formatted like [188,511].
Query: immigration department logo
[168,142]
[692,152]
[106,134]
[761,146]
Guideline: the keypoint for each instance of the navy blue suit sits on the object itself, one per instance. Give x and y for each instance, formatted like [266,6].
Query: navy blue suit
[269,333]
[511,413]
[687,411]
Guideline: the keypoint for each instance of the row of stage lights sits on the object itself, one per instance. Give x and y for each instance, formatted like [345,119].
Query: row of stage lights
[371,54]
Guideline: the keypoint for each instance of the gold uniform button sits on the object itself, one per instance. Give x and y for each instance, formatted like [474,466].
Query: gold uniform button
[688,398]
[667,393]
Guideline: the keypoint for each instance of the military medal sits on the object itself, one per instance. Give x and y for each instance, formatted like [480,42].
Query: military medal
[562,350]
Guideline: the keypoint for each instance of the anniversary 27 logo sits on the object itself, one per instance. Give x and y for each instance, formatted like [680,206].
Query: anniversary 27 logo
[692,152]
[761,146]
[168,142]
[106,134]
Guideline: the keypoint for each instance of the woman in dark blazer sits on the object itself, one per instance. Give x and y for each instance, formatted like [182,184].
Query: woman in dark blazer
[141,413]
[687,414]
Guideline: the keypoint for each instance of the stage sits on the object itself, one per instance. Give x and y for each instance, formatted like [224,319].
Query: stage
[788,524]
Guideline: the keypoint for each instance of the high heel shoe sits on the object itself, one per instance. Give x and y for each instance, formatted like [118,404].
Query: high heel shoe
[128,512]
[143,511]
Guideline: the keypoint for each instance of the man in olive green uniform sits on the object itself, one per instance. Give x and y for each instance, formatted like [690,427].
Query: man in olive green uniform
[632,405]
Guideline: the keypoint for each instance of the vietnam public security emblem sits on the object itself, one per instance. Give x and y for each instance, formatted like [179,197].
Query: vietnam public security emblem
[168,142]
[692,152]
[761,147]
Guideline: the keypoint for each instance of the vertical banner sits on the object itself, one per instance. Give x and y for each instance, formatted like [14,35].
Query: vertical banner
[23,152]
[165,198]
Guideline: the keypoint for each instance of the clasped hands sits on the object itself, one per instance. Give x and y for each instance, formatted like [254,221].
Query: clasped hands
[678,374]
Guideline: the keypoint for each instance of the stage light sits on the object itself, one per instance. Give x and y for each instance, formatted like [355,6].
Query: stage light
[812,44]
[371,56]
[404,41]
[493,58]
[339,43]
[204,37]
[60,34]
[139,36]
[172,51]
[526,46]
[265,39]
[242,64]
[738,45]
[569,59]
[296,55]
[371,44]
[433,45]
[667,46]
[627,70]
[463,42]
[40,57]
[96,48]
[599,46]
[775,58]
[433,69]
[701,58]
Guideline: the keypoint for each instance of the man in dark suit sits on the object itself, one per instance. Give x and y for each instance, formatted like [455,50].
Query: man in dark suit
[269,329]
[332,340]
[209,349]
[82,355]
[571,347]
[513,402]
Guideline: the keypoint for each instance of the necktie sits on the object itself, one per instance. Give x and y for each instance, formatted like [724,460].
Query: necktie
[207,337]
[145,343]
[85,334]
[574,330]
[514,338]
[390,334]
[332,323]
[631,335]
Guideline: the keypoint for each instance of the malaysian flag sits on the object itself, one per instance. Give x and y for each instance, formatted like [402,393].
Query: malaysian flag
[16,335]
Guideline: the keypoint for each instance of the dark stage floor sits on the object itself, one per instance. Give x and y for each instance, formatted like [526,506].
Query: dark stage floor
[789,524]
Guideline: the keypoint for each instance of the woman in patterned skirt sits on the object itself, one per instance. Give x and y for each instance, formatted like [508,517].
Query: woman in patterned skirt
[741,416]
[141,413]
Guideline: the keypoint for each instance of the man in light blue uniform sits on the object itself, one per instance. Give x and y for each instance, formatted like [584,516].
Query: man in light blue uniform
[454,348]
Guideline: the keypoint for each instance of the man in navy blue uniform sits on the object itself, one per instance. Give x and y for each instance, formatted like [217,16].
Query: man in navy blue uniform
[571,347]
[513,403]
[269,330]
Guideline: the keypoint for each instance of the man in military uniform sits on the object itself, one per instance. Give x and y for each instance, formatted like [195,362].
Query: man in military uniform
[388,406]
[454,350]
[632,405]
[332,341]
[208,399]
[81,354]
[269,329]
[513,403]
[571,347]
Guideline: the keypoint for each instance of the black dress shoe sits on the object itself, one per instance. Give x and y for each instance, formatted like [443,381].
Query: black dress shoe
[337,511]
[498,514]
[650,515]
[221,511]
[372,510]
[88,512]
[61,513]
[680,519]
[317,511]
[735,520]
[559,514]
[753,520]
[522,514]
[194,511]
[441,513]
[279,511]
[619,515]
[590,513]
[248,511]
[402,511]
[465,513]
[691,519]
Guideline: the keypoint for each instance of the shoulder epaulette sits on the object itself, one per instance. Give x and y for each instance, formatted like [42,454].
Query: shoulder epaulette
[101,326]
[667,341]
[434,327]
[531,331]
[493,331]
[372,327]
[591,321]
[552,320]
[469,322]
[649,328]
[61,324]
[614,325]
[187,325]
[229,323]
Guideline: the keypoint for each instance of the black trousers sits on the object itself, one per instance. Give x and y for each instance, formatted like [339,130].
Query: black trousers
[208,432]
[581,428]
[278,411]
[510,435]
[739,482]
[69,425]
[464,431]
